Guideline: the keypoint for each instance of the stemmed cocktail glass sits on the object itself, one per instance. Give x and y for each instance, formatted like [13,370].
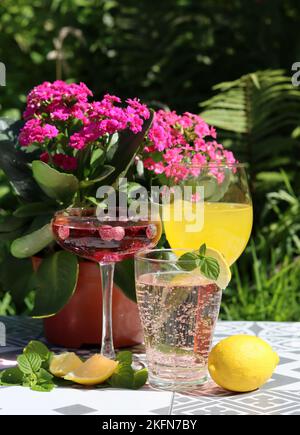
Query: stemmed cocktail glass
[105,240]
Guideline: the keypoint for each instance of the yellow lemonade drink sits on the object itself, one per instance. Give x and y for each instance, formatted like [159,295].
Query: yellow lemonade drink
[226,228]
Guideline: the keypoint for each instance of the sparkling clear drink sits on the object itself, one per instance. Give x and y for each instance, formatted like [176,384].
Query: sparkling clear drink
[179,312]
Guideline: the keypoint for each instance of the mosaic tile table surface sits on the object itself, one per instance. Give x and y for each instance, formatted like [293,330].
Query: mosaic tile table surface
[280,396]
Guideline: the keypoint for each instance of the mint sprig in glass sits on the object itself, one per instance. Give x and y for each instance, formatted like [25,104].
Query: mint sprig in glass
[208,266]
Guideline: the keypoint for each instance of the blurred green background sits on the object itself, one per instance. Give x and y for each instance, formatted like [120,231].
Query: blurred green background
[173,53]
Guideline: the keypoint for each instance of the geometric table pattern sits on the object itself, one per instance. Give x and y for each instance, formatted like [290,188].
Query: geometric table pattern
[280,396]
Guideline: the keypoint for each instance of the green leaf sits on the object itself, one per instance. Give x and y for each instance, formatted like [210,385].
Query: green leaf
[56,281]
[107,171]
[44,377]
[11,376]
[55,184]
[125,279]
[38,347]
[29,363]
[140,379]
[35,209]
[18,284]
[14,163]
[202,250]
[9,237]
[11,223]
[125,357]
[43,388]
[123,378]
[188,261]
[31,244]
[210,268]
[10,129]
[39,222]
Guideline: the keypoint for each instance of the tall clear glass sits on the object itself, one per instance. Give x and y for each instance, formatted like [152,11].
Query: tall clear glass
[80,231]
[227,206]
[179,311]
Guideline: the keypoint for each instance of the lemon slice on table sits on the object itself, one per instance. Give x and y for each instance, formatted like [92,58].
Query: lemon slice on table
[95,370]
[62,364]
[225,273]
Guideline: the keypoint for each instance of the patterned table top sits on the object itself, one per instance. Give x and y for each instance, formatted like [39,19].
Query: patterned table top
[281,395]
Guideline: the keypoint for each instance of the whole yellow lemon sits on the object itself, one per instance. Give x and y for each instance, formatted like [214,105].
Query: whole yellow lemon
[242,363]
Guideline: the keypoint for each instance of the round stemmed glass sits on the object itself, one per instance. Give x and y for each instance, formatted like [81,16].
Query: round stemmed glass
[220,193]
[105,240]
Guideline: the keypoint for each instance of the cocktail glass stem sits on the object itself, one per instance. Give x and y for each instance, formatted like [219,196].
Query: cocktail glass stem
[107,276]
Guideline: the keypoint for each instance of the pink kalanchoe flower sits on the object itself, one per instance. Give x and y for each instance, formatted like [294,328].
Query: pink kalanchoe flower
[173,156]
[67,163]
[112,98]
[141,109]
[202,129]
[57,96]
[36,132]
[105,117]
[184,143]
[229,157]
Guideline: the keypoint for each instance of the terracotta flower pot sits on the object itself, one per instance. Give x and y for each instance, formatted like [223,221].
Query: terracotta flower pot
[80,321]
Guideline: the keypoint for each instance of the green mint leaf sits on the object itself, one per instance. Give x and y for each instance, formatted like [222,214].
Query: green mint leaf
[11,376]
[210,268]
[44,376]
[124,357]
[38,347]
[46,364]
[140,379]
[202,250]
[44,388]
[123,378]
[30,380]
[188,261]
[29,363]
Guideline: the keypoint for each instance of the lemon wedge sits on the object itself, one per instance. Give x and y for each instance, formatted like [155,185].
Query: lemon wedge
[225,272]
[62,364]
[95,370]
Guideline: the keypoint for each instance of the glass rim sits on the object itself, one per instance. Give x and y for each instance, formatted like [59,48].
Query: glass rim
[236,165]
[90,208]
[142,255]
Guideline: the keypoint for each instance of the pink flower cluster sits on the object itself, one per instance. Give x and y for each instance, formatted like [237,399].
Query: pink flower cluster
[59,100]
[107,117]
[62,161]
[35,131]
[179,145]
[61,120]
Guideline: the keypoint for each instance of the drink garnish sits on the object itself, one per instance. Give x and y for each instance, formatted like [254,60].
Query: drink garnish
[209,266]
[35,370]
[211,263]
